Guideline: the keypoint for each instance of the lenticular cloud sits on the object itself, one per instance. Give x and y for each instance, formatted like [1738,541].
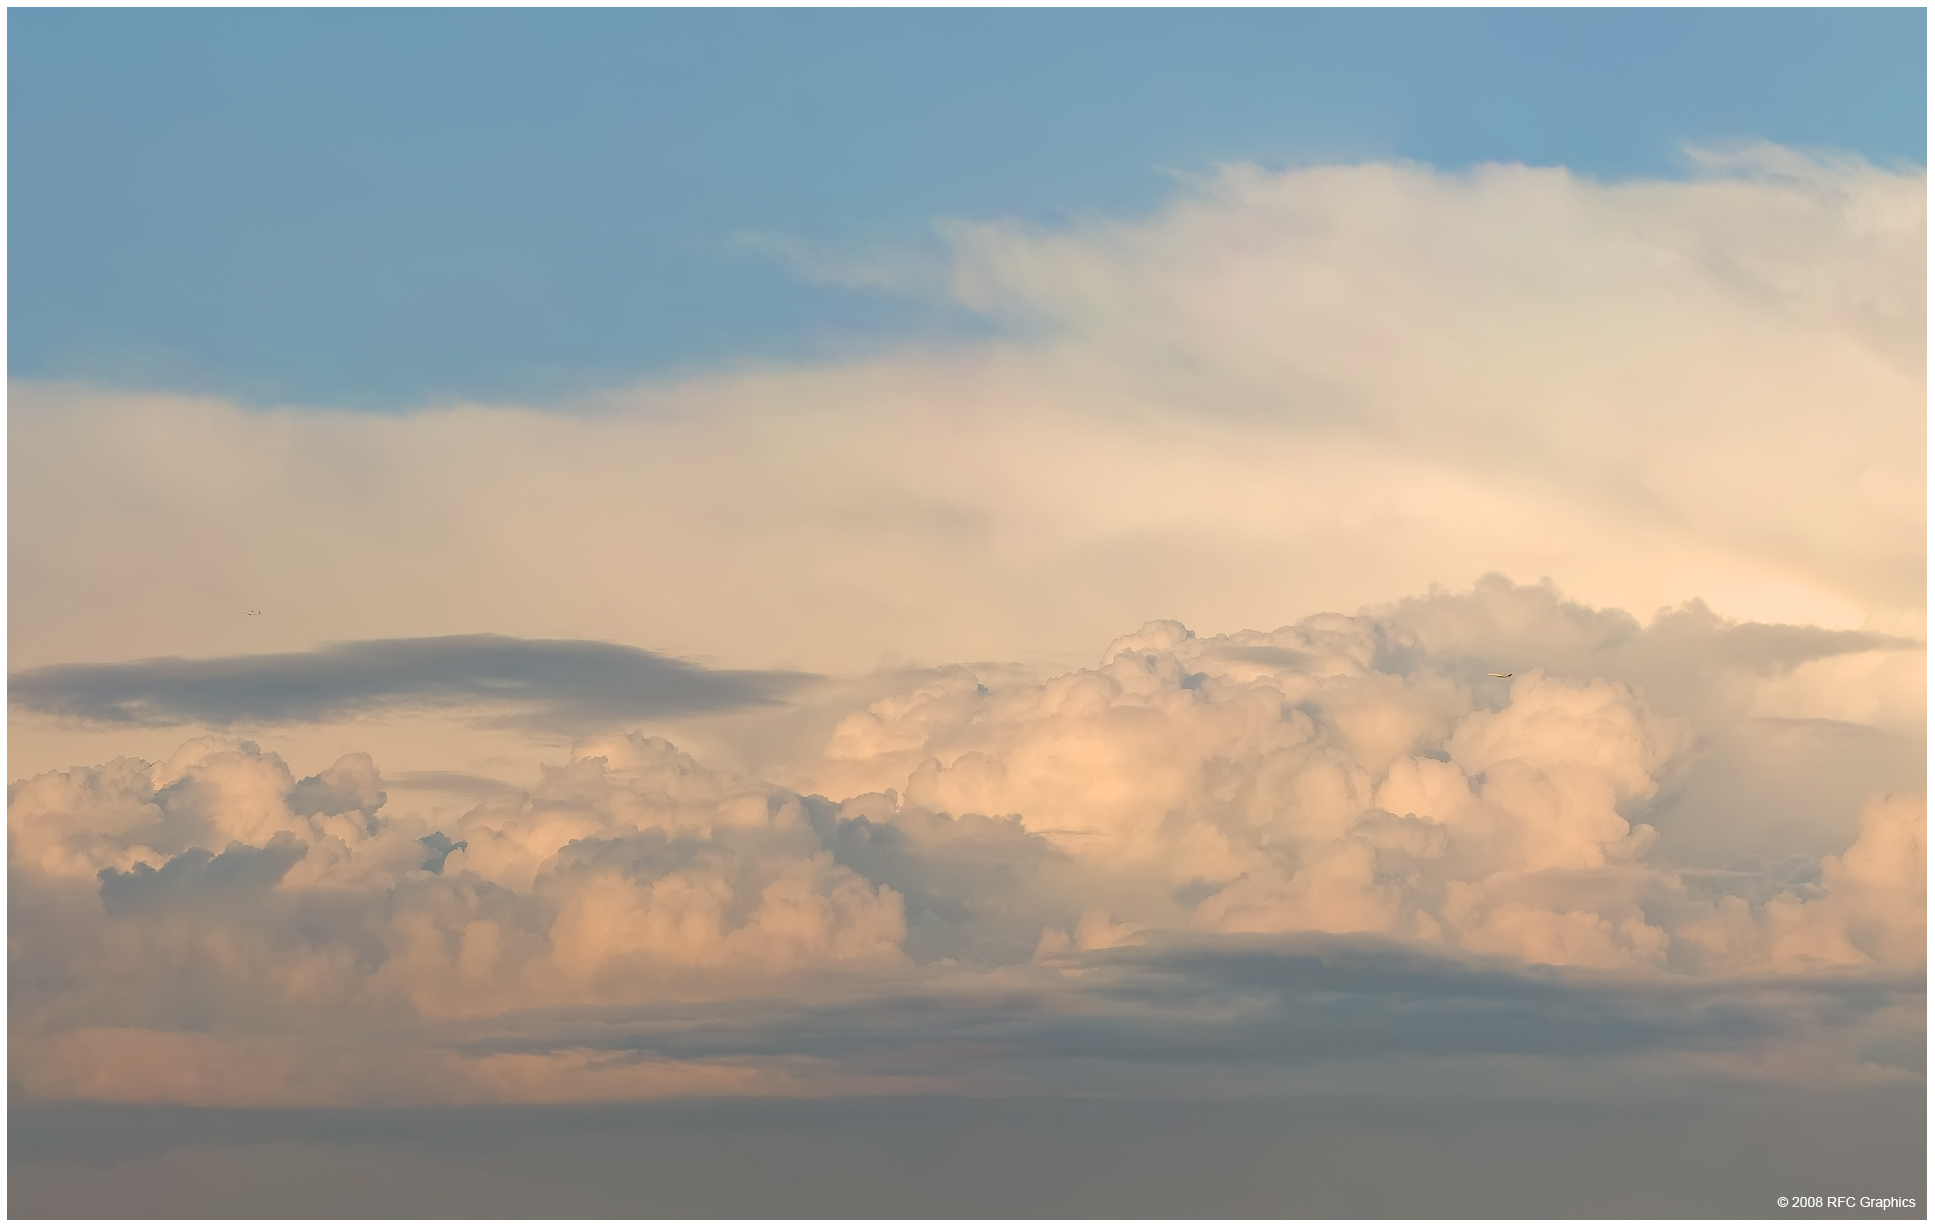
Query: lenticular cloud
[199,929]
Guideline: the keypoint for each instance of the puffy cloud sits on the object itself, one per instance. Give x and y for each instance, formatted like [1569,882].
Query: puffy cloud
[623,862]
[213,791]
[998,836]
[1870,907]
[1341,775]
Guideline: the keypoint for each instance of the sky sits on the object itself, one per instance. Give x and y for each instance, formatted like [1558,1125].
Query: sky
[377,209]
[1241,613]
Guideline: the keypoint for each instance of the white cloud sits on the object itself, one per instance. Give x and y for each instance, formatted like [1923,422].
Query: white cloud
[1872,905]
[1283,392]
[980,833]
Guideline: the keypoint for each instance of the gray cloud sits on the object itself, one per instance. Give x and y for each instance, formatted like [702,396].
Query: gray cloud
[1500,625]
[198,879]
[1249,1005]
[461,784]
[554,684]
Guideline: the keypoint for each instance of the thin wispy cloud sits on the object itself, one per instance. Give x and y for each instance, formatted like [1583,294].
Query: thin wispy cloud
[906,271]
[1283,391]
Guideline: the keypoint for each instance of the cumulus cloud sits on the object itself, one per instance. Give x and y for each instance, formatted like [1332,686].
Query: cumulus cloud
[550,684]
[1686,832]
[1338,775]
[1872,903]
[1341,836]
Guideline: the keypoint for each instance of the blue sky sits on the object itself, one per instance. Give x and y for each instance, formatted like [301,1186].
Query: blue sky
[378,209]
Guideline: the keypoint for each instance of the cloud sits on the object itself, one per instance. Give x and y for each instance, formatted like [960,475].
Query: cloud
[1338,775]
[1228,1018]
[549,684]
[1875,897]
[1278,1002]
[1283,391]
[196,878]
[903,271]
[1339,841]
[462,783]
[1684,836]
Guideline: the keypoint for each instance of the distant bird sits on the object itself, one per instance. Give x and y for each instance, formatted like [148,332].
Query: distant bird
[251,613]
[1501,675]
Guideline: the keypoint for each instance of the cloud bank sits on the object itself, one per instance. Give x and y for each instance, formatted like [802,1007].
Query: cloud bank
[1205,863]
[1681,846]
[1285,391]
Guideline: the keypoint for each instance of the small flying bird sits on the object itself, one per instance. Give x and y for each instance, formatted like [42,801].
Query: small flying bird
[251,613]
[1501,675]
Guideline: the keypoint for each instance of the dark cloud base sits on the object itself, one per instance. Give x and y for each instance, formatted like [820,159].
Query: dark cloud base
[1260,1004]
[1423,1154]
[550,684]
